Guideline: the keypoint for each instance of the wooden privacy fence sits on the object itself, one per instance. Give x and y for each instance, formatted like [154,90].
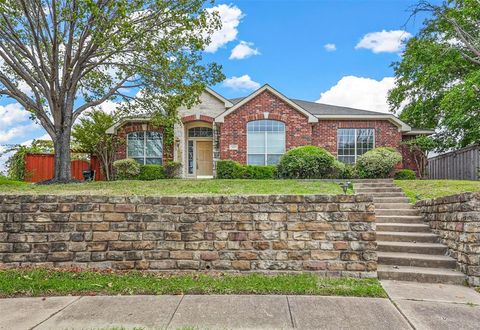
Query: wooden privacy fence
[41,167]
[462,164]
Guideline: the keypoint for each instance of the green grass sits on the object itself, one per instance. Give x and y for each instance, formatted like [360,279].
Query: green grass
[426,189]
[45,282]
[7,182]
[177,187]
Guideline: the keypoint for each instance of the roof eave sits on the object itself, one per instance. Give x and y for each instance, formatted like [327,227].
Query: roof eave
[394,120]
[113,129]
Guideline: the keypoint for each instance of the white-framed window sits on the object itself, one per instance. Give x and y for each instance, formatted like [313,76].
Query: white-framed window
[265,142]
[354,142]
[145,147]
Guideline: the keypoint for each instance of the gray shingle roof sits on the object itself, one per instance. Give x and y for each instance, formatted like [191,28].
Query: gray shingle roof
[323,109]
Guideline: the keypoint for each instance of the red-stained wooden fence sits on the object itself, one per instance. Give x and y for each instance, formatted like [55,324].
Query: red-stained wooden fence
[41,167]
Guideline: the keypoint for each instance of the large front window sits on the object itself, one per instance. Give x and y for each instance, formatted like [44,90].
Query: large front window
[145,147]
[354,142]
[265,142]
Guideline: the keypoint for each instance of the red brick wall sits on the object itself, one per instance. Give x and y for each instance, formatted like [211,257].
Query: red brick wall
[138,127]
[234,129]
[325,133]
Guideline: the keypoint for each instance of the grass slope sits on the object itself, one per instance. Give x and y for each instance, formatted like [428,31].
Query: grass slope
[426,189]
[177,187]
[45,282]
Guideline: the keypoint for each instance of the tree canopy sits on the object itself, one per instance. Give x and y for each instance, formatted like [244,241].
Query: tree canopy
[59,58]
[438,77]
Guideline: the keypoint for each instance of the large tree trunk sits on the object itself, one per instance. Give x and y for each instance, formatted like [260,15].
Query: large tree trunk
[62,156]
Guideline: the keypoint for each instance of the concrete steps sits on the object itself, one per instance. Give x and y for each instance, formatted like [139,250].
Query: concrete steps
[403,227]
[416,260]
[407,248]
[420,274]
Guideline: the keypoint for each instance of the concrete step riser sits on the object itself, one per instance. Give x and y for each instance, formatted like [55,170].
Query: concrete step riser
[386,194]
[396,212]
[377,185]
[357,181]
[390,219]
[417,262]
[397,228]
[441,250]
[383,200]
[396,206]
[419,277]
[377,190]
[407,239]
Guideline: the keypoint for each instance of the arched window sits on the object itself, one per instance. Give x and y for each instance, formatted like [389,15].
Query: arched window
[265,142]
[200,132]
[145,147]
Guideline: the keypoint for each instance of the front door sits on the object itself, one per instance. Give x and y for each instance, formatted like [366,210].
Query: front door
[204,158]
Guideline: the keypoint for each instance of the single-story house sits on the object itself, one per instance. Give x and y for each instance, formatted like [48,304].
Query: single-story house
[258,129]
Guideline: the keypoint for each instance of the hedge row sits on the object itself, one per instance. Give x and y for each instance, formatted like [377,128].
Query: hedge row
[129,169]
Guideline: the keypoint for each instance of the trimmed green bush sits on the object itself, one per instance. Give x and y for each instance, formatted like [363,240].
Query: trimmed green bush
[229,169]
[405,174]
[172,169]
[151,172]
[344,171]
[126,169]
[260,172]
[377,163]
[307,162]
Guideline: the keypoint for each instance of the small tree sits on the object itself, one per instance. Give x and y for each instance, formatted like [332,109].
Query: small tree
[90,136]
[419,147]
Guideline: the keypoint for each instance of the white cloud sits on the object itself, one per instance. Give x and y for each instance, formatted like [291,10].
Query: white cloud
[241,83]
[330,47]
[230,16]
[360,93]
[12,113]
[16,131]
[384,41]
[243,50]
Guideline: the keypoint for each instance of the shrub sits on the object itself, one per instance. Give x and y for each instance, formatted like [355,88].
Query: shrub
[172,169]
[260,172]
[126,169]
[229,169]
[405,174]
[151,172]
[344,171]
[308,162]
[377,163]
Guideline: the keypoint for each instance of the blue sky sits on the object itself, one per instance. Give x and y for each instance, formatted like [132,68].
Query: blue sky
[337,52]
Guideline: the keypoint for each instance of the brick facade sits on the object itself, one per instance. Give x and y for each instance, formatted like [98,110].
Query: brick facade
[298,130]
[131,127]
[330,235]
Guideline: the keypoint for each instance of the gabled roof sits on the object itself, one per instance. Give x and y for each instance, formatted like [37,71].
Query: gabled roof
[311,118]
[114,127]
[227,102]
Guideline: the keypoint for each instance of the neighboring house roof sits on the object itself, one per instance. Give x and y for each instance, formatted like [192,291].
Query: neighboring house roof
[311,118]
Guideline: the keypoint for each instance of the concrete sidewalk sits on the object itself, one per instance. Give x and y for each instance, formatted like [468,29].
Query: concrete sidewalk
[431,307]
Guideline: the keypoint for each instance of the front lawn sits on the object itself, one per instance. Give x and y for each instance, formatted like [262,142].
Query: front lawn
[45,282]
[426,189]
[178,187]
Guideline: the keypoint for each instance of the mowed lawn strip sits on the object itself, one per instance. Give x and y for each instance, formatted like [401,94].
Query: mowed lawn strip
[47,282]
[427,189]
[177,187]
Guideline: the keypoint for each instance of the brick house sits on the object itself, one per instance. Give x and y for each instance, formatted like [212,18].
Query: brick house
[258,129]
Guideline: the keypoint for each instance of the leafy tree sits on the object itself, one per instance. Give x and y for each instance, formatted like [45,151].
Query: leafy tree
[438,78]
[90,136]
[419,148]
[61,58]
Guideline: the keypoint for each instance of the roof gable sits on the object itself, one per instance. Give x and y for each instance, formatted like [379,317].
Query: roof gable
[311,117]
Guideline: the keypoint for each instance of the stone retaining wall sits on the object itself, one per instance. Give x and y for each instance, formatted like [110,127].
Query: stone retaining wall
[457,220]
[334,235]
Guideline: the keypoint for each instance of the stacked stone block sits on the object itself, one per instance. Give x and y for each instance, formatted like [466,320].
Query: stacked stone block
[456,219]
[332,235]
